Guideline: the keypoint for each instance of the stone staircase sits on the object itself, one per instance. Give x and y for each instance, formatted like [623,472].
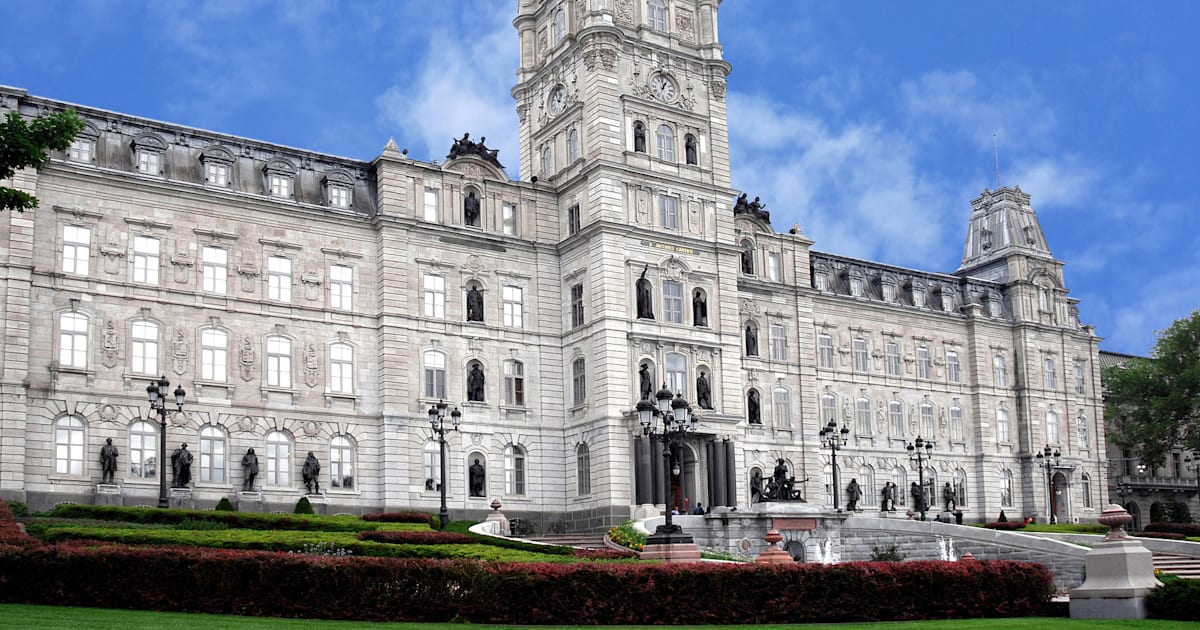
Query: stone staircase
[579,541]
[1183,566]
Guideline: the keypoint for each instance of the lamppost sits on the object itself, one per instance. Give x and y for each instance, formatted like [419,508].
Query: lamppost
[920,452]
[677,423]
[1049,459]
[834,439]
[156,392]
[437,421]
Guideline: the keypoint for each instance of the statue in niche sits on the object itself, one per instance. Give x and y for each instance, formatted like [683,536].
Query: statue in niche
[689,149]
[699,309]
[108,461]
[751,341]
[639,137]
[311,472]
[645,382]
[747,262]
[754,414]
[249,469]
[181,466]
[471,209]
[476,478]
[756,486]
[645,306]
[853,495]
[889,497]
[474,304]
[949,498]
[703,392]
[475,380]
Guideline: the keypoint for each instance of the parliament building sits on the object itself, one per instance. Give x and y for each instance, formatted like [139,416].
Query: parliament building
[312,303]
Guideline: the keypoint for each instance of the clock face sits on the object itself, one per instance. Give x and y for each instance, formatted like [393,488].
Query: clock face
[662,87]
[558,100]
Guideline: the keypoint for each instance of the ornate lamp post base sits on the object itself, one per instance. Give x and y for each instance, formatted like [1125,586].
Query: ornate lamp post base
[670,546]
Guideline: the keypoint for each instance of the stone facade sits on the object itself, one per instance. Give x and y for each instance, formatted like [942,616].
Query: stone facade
[314,303]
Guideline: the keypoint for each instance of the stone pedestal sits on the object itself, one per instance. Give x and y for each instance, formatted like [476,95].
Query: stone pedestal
[773,554]
[1120,573]
[499,519]
[181,499]
[670,545]
[249,502]
[108,494]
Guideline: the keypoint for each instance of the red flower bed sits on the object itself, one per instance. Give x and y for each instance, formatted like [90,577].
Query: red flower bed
[399,517]
[1187,529]
[385,589]
[1005,525]
[417,538]
[10,533]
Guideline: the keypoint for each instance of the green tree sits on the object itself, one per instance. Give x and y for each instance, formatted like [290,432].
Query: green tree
[1153,404]
[24,145]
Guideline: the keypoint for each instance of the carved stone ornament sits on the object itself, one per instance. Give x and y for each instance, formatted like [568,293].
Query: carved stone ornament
[685,24]
[109,344]
[248,357]
[312,365]
[625,11]
[717,88]
[246,424]
[474,263]
[108,413]
[179,352]
[311,429]
[183,263]
[179,419]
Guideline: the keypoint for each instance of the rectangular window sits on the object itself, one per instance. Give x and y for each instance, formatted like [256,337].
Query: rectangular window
[435,375]
[778,336]
[923,367]
[341,369]
[668,212]
[431,205]
[213,355]
[862,416]
[1085,486]
[149,162]
[145,260]
[508,219]
[825,351]
[1052,427]
[656,15]
[513,306]
[861,357]
[76,249]
[1080,384]
[216,269]
[828,408]
[576,305]
[999,371]
[435,296]
[896,417]
[217,174]
[72,340]
[1048,374]
[677,373]
[573,220]
[341,287]
[927,425]
[781,404]
[279,362]
[144,347]
[339,197]
[893,358]
[82,150]
[956,424]
[1006,489]
[1003,434]
[281,186]
[279,279]
[514,383]
[579,382]
[952,367]
[672,302]
[774,267]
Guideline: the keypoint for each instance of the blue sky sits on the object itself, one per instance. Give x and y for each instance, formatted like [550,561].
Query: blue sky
[870,124]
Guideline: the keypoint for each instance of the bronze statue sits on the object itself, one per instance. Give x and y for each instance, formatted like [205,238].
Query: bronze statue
[756,486]
[311,472]
[747,262]
[639,137]
[889,497]
[474,304]
[471,209]
[753,412]
[645,306]
[645,382]
[249,469]
[948,497]
[699,309]
[918,496]
[475,381]
[751,341]
[466,146]
[181,466]
[689,149]
[853,494]
[108,461]
[703,392]
[476,478]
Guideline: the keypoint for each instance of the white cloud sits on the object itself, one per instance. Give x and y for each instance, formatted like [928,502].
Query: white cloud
[1066,181]
[1011,109]
[461,84]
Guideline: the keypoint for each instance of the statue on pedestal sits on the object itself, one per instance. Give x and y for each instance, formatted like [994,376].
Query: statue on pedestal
[311,472]
[249,470]
[108,461]
[181,466]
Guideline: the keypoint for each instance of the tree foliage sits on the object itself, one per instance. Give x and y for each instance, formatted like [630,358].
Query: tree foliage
[1154,404]
[24,145]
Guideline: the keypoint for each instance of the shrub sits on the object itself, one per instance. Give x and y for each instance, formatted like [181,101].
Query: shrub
[1003,518]
[1177,512]
[399,517]
[891,554]
[224,505]
[1177,599]
[1187,529]
[1005,525]
[607,554]
[10,533]
[241,520]
[416,538]
[18,508]
[379,589]
[1163,535]
[200,524]
[303,506]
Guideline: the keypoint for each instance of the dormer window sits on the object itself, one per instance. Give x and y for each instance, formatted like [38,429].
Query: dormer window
[83,147]
[339,189]
[148,153]
[559,30]
[857,283]
[218,166]
[280,175]
[216,174]
[656,15]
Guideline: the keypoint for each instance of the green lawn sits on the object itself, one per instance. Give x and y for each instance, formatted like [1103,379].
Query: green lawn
[55,618]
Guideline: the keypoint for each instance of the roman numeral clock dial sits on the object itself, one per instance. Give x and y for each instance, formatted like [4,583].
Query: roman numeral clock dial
[662,87]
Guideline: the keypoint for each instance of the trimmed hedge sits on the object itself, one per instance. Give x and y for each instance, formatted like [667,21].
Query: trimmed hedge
[1163,535]
[240,520]
[378,589]
[1005,525]
[416,538]
[1187,529]
[399,517]
[10,534]
[1177,599]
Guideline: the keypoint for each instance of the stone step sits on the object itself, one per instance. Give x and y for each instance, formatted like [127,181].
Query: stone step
[1183,566]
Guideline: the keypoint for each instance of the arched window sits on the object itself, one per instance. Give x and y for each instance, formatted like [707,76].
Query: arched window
[1006,488]
[896,418]
[435,374]
[547,161]
[212,455]
[1052,427]
[144,347]
[781,405]
[900,478]
[431,465]
[279,459]
[866,483]
[514,383]
[639,137]
[1085,486]
[341,462]
[960,487]
[862,416]
[559,30]
[341,368]
[514,470]
[665,140]
[583,470]
[690,149]
[747,258]
[677,373]
[214,353]
[143,450]
[72,340]
[656,15]
[753,407]
[68,446]
[572,146]
[279,362]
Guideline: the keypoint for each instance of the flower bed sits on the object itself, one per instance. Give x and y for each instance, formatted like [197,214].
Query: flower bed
[626,536]
[240,520]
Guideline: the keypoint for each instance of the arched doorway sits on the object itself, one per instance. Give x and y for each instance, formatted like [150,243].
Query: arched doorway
[795,549]
[1061,505]
[684,488]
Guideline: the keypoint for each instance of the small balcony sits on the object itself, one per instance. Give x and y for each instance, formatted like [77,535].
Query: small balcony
[1147,483]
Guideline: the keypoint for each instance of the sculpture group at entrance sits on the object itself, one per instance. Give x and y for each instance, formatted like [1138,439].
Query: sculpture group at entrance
[779,487]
